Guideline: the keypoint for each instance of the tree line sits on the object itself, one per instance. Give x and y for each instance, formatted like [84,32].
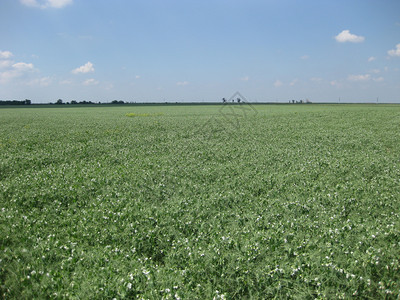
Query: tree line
[58,102]
[16,102]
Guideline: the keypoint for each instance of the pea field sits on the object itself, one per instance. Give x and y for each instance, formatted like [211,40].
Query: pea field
[200,202]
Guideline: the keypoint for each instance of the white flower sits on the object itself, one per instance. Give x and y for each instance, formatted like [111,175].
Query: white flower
[145,272]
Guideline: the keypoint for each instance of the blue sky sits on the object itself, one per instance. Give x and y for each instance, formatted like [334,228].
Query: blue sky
[175,50]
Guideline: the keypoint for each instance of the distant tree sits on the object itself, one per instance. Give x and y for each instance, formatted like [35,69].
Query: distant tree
[85,102]
[59,101]
[238,100]
[27,102]
[223,100]
[74,102]
[117,102]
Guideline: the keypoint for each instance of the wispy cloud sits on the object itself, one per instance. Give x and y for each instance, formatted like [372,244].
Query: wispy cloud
[294,81]
[245,78]
[65,82]
[19,72]
[86,68]
[304,57]
[182,83]
[14,71]
[372,58]
[46,3]
[278,83]
[374,71]
[4,64]
[346,36]
[5,54]
[90,81]
[379,79]
[41,82]
[21,66]
[395,52]
[364,77]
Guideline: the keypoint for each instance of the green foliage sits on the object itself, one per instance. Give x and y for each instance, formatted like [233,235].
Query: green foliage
[284,202]
[143,114]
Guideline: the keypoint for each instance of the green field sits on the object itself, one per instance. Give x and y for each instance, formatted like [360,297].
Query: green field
[200,202]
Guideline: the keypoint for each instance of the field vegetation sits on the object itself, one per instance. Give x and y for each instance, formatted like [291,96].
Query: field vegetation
[200,202]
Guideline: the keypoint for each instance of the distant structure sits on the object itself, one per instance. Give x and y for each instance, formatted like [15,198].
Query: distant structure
[301,101]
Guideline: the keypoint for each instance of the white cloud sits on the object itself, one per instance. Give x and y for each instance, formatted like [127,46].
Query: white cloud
[374,71]
[5,54]
[334,83]
[58,3]
[4,64]
[395,52]
[372,58]
[182,83]
[21,73]
[30,2]
[278,83]
[14,70]
[137,77]
[294,81]
[65,82]
[47,3]
[86,68]
[90,81]
[304,57]
[245,78]
[346,36]
[364,77]
[379,79]
[21,66]
[6,76]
